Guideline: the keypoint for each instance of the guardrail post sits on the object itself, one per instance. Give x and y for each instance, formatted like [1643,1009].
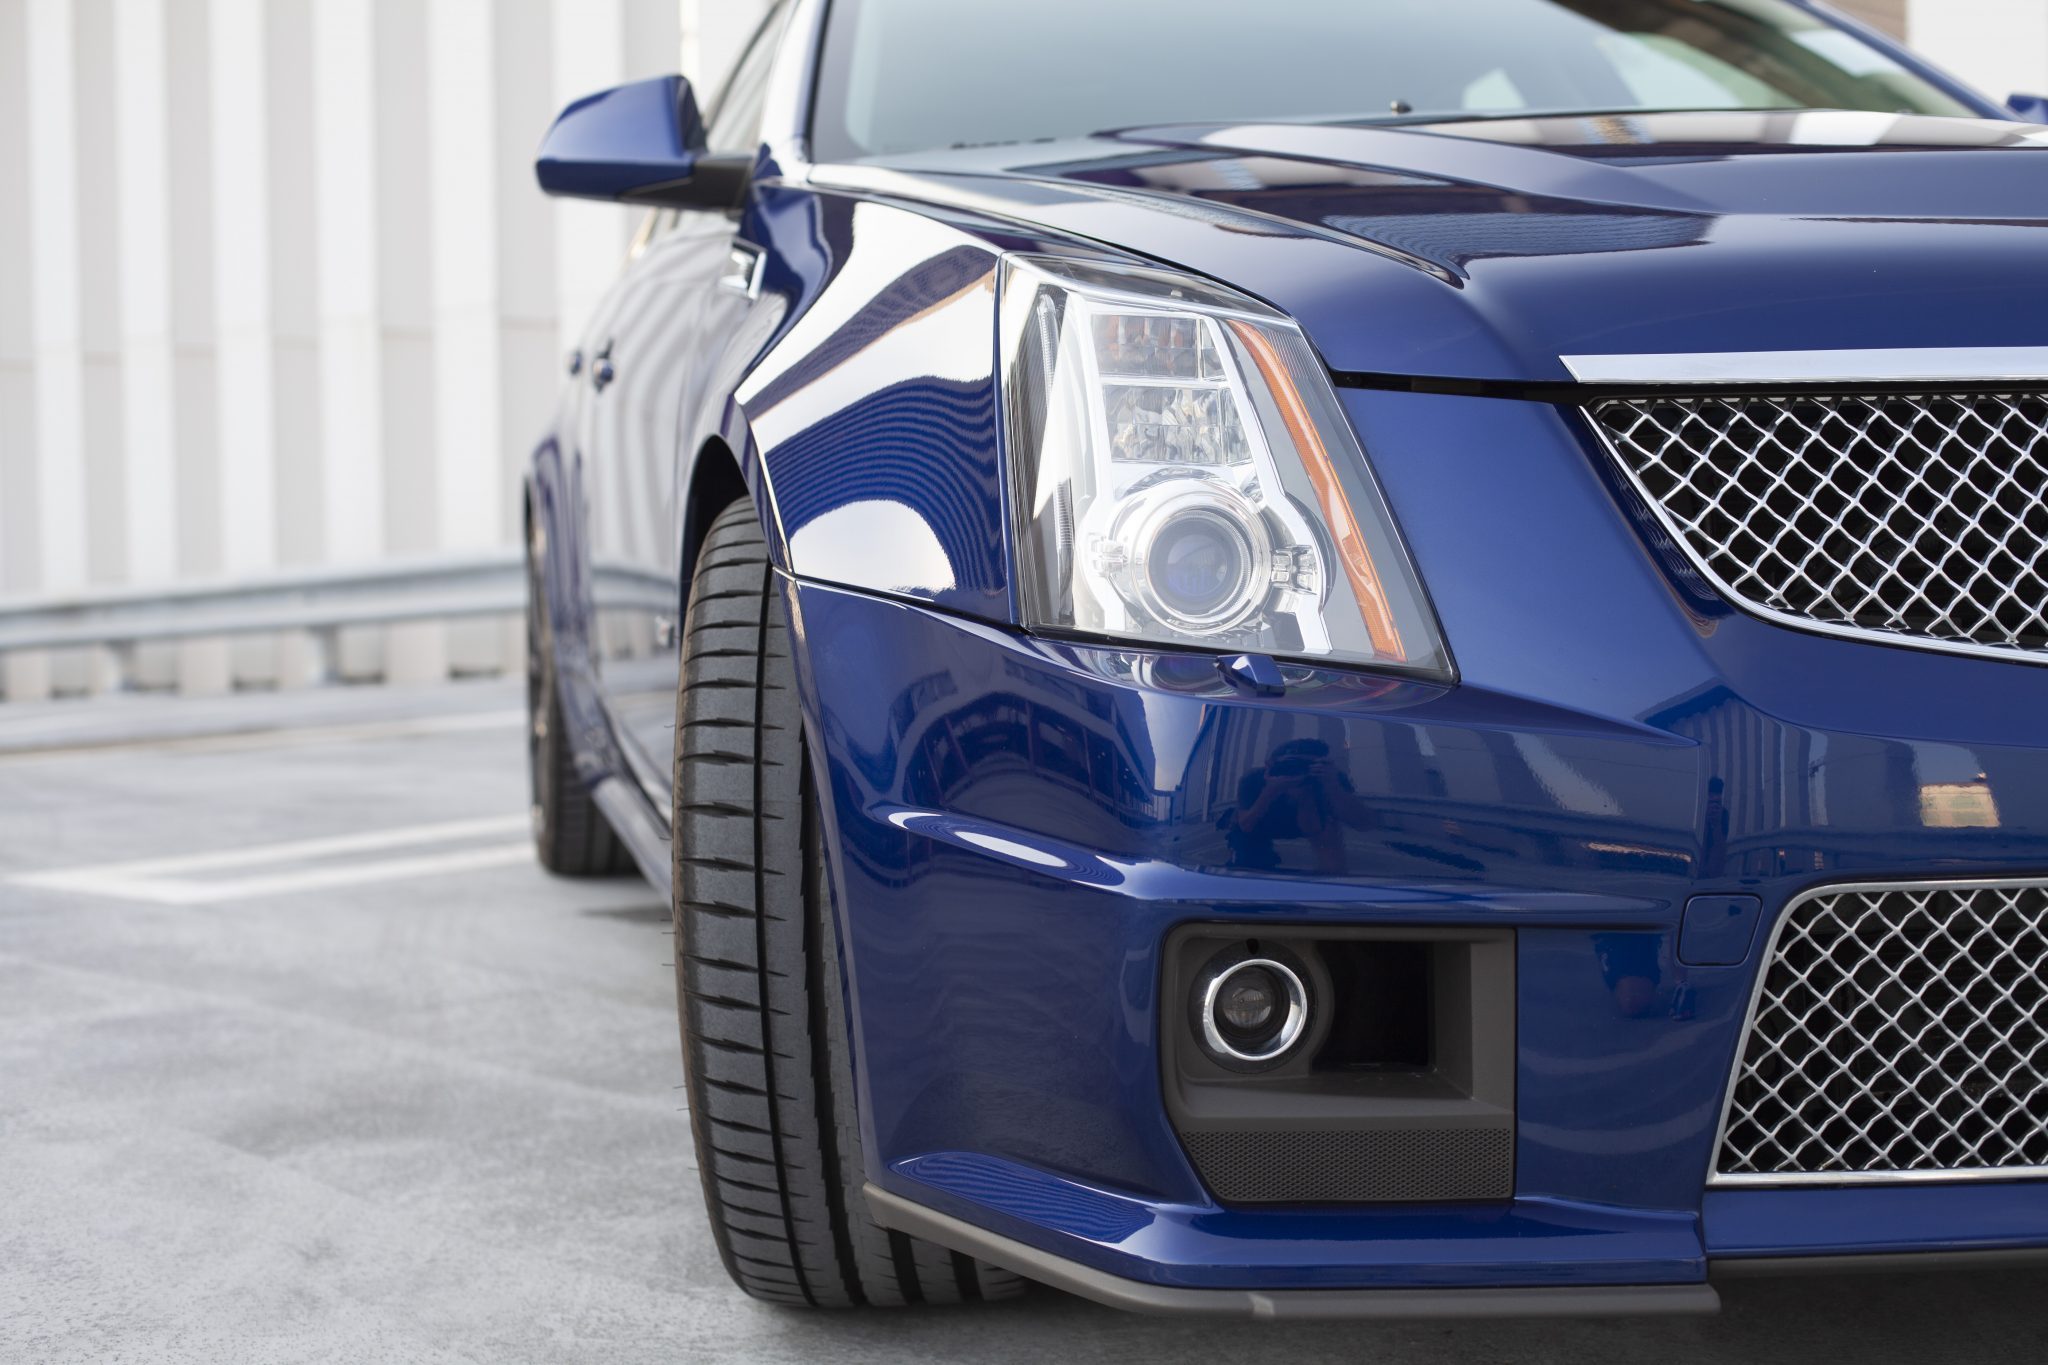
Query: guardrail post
[121,669]
[323,657]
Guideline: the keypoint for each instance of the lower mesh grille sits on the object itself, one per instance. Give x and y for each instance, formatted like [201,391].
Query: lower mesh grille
[1355,1166]
[1897,1032]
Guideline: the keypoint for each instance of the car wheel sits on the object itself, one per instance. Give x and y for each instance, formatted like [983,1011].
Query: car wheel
[569,832]
[757,971]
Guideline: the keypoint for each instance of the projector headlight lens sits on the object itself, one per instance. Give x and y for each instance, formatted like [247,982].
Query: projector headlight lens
[1183,475]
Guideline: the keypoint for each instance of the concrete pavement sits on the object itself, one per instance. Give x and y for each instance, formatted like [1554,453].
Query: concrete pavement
[303,1059]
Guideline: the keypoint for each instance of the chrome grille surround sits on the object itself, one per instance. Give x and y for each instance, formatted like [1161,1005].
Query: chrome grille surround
[1897,1032]
[1916,518]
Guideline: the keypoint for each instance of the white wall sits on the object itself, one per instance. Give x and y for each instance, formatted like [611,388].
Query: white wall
[276,289]
[1999,46]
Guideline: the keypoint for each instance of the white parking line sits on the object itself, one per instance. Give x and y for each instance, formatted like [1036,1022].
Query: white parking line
[282,869]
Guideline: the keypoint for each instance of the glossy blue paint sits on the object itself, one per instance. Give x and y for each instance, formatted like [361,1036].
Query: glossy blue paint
[878,432]
[1853,1222]
[1016,824]
[1487,250]
[2032,108]
[1718,930]
[620,143]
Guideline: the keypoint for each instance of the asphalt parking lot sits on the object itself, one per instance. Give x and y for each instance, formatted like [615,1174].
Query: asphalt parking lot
[302,1058]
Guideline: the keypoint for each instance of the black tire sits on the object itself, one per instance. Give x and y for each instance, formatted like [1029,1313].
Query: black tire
[570,834]
[757,971]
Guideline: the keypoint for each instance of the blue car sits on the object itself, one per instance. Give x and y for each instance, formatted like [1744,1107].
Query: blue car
[1336,659]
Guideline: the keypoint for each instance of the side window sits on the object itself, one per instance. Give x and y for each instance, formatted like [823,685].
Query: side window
[735,122]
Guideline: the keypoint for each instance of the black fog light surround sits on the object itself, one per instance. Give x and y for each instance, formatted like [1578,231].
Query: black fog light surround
[1251,1007]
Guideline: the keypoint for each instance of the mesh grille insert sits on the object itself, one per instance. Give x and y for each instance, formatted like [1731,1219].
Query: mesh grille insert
[1897,1030]
[1922,516]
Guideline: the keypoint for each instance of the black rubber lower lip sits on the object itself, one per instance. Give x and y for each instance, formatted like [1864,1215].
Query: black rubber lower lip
[1881,1263]
[1587,1301]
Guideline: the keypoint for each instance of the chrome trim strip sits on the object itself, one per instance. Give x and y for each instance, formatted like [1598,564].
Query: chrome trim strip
[1715,1180]
[1935,365]
[1744,603]
[1960,1176]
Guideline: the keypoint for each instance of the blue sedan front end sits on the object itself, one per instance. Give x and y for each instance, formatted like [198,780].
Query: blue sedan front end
[1629,787]
[1443,716]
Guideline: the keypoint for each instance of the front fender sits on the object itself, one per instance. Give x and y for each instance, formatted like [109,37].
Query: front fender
[869,429]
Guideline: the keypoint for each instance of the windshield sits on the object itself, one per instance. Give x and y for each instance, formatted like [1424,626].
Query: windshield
[905,75]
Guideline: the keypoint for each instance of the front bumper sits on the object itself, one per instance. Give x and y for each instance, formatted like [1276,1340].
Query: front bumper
[1016,827]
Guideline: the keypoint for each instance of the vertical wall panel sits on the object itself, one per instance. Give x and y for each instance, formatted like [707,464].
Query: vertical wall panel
[203,665]
[142,226]
[405,272]
[245,365]
[651,32]
[108,532]
[21,676]
[590,239]
[265,287]
[296,448]
[462,36]
[530,354]
[241,277]
[408,443]
[376,403]
[713,33]
[149,455]
[63,559]
[530,369]
[465,269]
[346,200]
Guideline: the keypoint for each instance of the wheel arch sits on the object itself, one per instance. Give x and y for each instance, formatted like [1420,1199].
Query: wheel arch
[716,481]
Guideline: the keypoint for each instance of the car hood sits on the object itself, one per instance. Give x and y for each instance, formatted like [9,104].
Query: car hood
[1489,249]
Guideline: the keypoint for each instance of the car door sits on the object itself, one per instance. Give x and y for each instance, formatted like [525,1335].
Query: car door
[677,311]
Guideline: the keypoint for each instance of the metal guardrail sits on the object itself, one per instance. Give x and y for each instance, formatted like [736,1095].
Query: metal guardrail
[320,602]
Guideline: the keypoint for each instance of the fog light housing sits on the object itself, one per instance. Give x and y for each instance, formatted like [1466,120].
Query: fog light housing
[1251,1009]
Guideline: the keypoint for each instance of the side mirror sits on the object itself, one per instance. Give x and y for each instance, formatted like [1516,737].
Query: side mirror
[2032,108]
[639,144]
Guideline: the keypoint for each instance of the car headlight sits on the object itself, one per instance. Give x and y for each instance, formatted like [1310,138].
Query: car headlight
[1181,475]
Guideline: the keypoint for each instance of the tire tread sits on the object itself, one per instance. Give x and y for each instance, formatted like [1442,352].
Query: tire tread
[757,966]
